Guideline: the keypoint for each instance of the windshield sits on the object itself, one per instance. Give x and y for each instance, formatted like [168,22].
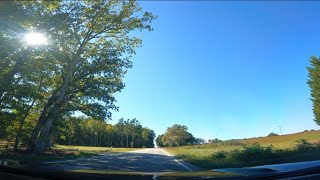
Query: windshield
[181,88]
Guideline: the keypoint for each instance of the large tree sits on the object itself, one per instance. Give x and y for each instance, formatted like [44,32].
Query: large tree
[148,136]
[314,84]
[89,50]
[159,141]
[177,135]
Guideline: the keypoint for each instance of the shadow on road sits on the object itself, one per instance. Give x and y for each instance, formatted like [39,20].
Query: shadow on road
[134,162]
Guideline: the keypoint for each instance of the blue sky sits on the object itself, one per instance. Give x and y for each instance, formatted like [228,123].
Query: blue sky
[224,69]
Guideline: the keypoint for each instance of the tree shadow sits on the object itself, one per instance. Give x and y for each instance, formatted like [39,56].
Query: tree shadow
[134,162]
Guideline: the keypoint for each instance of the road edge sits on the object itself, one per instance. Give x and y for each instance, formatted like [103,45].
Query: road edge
[170,155]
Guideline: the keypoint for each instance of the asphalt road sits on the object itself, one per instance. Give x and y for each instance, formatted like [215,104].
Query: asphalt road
[145,160]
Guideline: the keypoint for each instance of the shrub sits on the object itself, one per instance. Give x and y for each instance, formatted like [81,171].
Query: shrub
[219,155]
[304,145]
[272,134]
[254,152]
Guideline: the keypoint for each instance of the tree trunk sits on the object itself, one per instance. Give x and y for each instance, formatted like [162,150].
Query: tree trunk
[127,140]
[38,144]
[99,139]
[49,142]
[37,129]
[121,140]
[132,141]
[42,141]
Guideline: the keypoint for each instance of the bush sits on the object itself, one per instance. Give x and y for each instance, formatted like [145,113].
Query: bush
[272,134]
[303,145]
[254,152]
[219,155]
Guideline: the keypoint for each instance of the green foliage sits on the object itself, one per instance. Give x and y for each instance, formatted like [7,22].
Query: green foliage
[92,132]
[303,145]
[177,135]
[314,84]
[219,155]
[81,68]
[148,136]
[198,141]
[159,141]
[253,152]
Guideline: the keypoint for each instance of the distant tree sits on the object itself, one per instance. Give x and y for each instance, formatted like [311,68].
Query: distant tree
[177,135]
[159,141]
[272,134]
[314,84]
[134,130]
[148,136]
[199,141]
[94,132]
[216,140]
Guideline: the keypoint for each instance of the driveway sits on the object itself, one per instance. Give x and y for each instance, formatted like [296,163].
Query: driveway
[144,160]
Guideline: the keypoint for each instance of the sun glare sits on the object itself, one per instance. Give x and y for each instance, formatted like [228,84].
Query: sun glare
[34,38]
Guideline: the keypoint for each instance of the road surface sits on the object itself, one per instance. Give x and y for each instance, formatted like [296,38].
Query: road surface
[144,160]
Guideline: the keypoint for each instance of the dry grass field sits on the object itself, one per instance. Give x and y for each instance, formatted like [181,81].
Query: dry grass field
[281,149]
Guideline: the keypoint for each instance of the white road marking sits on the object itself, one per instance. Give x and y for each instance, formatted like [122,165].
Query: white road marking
[187,168]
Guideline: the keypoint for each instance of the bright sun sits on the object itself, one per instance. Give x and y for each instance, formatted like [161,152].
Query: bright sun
[34,38]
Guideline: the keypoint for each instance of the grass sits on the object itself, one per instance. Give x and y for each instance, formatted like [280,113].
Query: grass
[59,152]
[225,154]
[286,141]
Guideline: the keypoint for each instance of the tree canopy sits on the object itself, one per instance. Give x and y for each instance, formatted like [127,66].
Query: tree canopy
[314,84]
[176,135]
[92,132]
[90,44]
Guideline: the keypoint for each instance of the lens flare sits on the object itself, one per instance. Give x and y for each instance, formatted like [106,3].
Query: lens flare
[34,38]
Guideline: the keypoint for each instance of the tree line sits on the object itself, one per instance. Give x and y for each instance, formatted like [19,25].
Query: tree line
[89,47]
[86,131]
[90,132]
